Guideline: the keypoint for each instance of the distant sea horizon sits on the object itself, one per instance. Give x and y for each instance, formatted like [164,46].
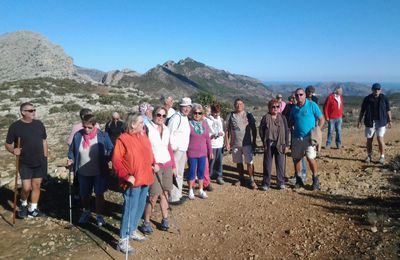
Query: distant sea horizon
[385,85]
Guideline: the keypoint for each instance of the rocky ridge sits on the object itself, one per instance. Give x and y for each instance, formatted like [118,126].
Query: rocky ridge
[26,54]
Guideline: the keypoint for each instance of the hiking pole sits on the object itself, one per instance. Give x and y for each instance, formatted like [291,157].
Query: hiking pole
[70,172]
[170,209]
[16,181]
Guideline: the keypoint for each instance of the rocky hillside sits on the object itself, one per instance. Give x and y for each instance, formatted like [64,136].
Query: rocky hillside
[188,77]
[94,74]
[25,55]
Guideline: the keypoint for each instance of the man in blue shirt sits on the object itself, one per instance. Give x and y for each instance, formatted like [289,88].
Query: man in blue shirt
[302,121]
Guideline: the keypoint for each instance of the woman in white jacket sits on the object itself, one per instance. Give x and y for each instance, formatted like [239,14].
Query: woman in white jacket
[215,125]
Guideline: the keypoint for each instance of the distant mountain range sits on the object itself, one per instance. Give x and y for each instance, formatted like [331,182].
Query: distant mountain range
[27,55]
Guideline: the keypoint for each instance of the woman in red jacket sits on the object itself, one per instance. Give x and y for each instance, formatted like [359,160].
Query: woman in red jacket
[133,161]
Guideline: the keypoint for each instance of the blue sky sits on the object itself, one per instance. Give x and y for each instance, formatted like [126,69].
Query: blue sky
[282,40]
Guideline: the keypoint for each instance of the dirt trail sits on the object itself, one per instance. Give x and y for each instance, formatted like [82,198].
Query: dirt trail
[356,215]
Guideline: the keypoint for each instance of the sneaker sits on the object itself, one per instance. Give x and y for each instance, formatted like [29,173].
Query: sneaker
[264,188]
[124,246]
[23,212]
[84,217]
[220,181]
[292,180]
[165,224]
[339,146]
[191,194]
[100,221]
[328,146]
[368,160]
[252,185]
[146,228]
[315,183]
[299,182]
[281,187]
[382,160]
[203,194]
[135,235]
[35,214]
[209,188]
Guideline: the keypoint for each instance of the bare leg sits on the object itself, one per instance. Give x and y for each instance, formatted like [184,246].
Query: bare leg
[164,204]
[26,189]
[313,166]
[201,184]
[250,170]
[149,207]
[381,144]
[369,145]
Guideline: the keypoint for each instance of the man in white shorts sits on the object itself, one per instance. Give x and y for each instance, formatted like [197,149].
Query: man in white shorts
[241,134]
[302,121]
[376,112]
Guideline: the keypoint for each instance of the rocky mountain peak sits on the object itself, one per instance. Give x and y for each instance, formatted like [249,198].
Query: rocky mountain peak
[26,54]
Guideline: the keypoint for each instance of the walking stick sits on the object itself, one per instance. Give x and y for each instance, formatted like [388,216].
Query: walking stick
[16,181]
[170,209]
[70,172]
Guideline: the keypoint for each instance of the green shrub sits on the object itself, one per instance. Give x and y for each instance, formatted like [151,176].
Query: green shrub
[53,110]
[7,120]
[71,107]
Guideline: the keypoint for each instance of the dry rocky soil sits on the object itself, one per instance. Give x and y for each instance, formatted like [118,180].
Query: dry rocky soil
[355,215]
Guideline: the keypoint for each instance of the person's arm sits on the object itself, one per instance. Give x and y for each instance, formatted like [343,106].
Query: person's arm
[172,127]
[117,161]
[45,148]
[325,108]
[254,131]
[321,121]
[228,133]
[261,129]
[362,111]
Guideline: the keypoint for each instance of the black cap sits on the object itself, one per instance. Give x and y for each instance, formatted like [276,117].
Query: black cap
[376,86]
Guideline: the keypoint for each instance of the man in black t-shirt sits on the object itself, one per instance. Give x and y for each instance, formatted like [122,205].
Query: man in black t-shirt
[33,157]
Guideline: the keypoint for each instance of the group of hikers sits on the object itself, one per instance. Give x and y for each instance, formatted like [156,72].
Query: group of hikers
[149,150]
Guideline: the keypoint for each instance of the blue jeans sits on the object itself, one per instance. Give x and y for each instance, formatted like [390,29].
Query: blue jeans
[335,124]
[196,165]
[216,164]
[133,208]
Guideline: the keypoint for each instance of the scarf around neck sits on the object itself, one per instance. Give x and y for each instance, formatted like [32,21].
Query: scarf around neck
[88,137]
[198,126]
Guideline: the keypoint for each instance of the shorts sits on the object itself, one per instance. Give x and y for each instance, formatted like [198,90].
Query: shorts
[239,152]
[166,181]
[370,131]
[301,147]
[87,183]
[28,173]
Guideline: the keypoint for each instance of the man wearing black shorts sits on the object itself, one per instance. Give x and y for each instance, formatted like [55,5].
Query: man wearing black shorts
[33,157]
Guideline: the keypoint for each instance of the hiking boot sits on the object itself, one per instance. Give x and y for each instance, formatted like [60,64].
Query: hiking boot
[382,160]
[315,183]
[239,182]
[191,194]
[368,160]
[203,194]
[100,221]
[299,182]
[23,212]
[252,185]
[165,224]
[135,235]
[220,181]
[264,188]
[35,214]
[146,228]
[209,188]
[124,246]
[84,217]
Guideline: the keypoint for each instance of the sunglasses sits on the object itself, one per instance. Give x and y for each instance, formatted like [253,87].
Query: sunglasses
[275,106]
[30,110]
[197,113]
[161,115]
[299,95]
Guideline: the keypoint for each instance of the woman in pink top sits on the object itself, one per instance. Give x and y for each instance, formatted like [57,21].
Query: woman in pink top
[198,150]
